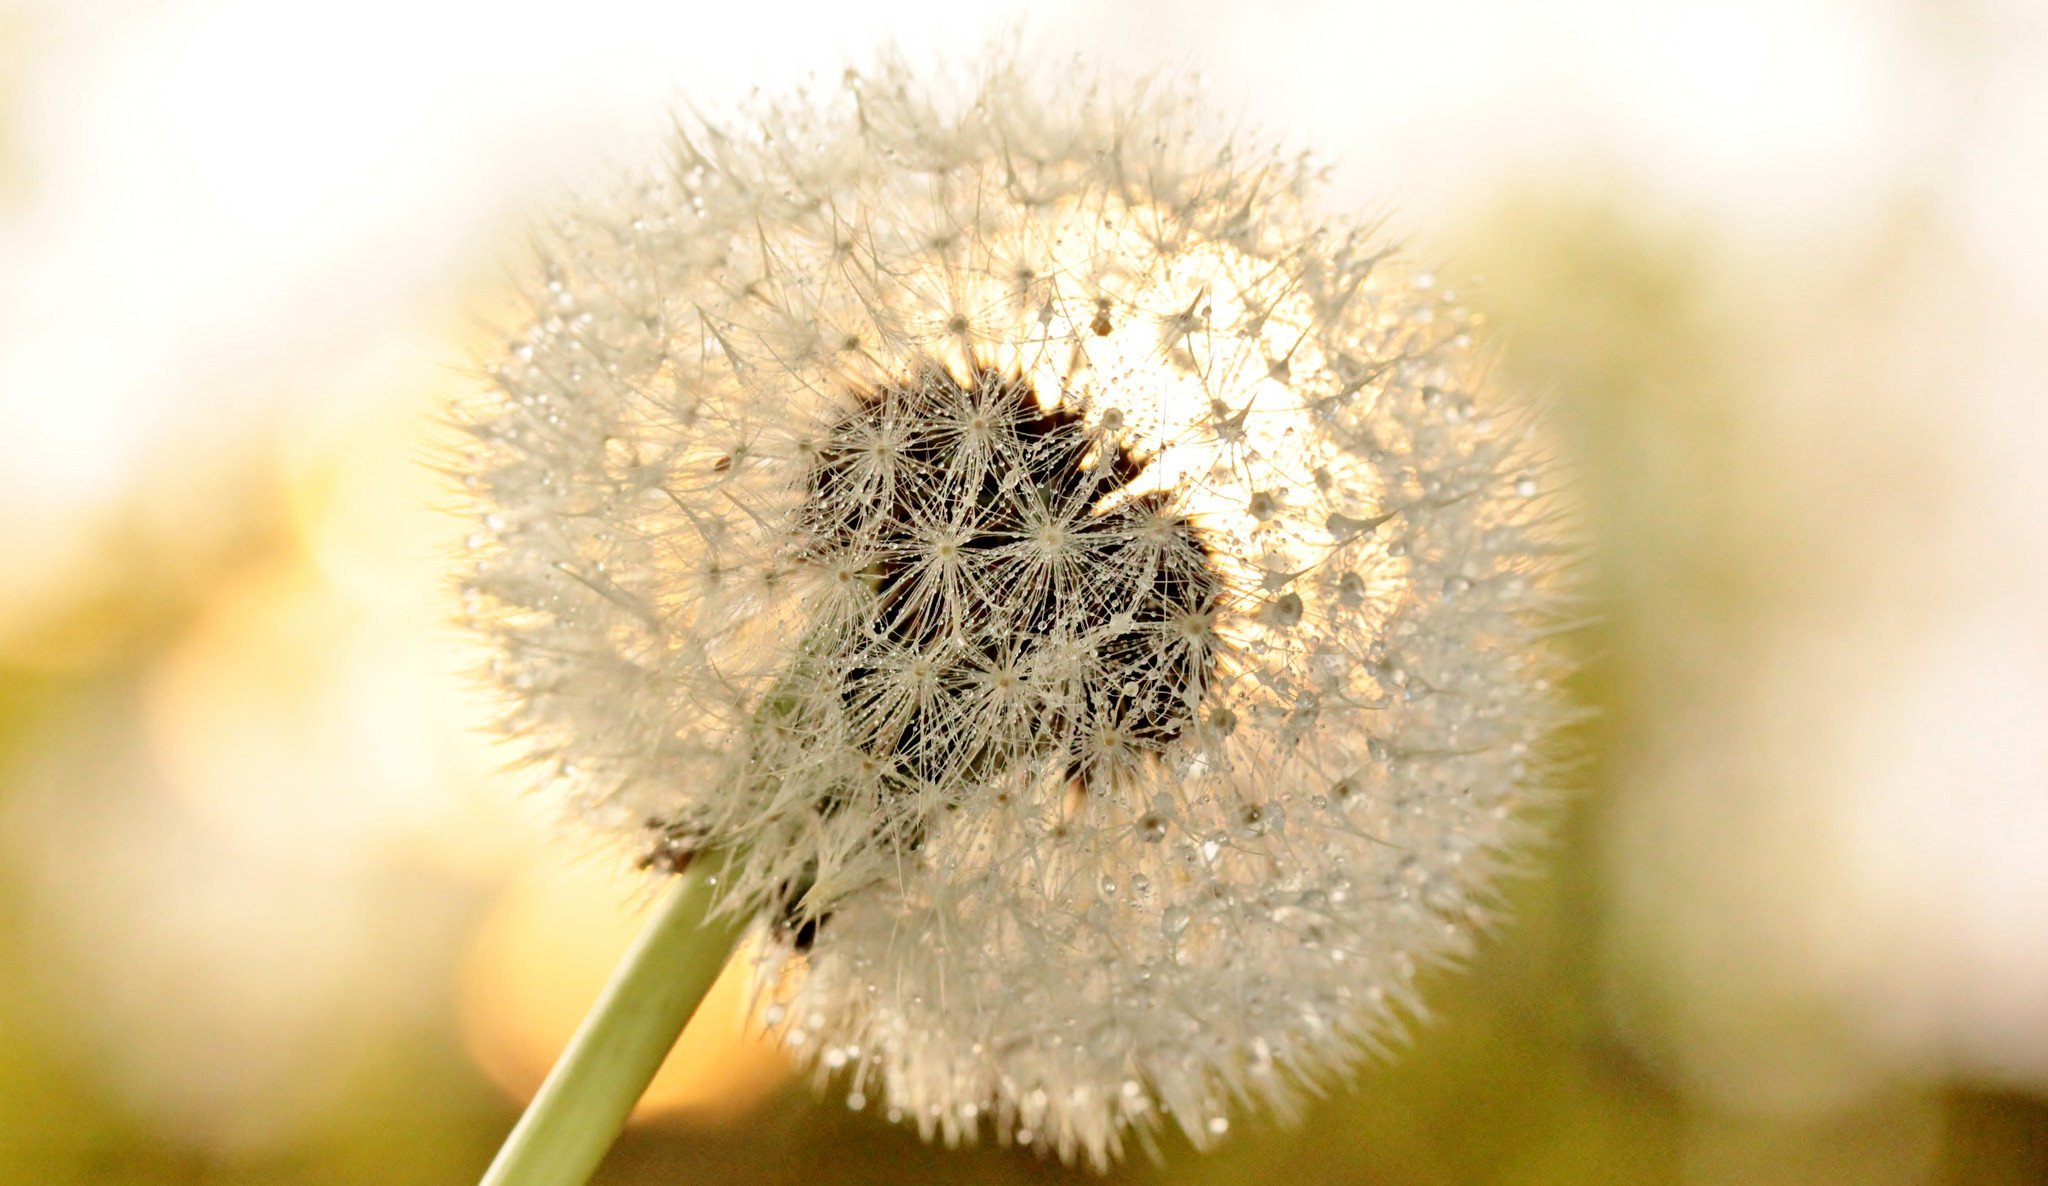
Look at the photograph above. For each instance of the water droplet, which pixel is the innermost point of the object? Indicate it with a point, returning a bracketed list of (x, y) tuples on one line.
[(1345, 527), (1285, 610)]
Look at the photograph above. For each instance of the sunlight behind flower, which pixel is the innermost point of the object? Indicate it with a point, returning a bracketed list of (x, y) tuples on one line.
[(1781, 268)]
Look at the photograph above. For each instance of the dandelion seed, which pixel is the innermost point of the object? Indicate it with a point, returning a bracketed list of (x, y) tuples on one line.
[(1067, 568)]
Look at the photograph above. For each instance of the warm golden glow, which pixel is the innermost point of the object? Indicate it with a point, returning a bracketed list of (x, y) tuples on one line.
[(1780, 264), (538, 961)]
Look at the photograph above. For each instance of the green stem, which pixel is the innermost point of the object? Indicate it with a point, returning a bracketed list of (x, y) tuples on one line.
[(637, 1018)]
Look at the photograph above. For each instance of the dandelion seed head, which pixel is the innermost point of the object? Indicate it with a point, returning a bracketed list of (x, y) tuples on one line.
[(1094, 590)]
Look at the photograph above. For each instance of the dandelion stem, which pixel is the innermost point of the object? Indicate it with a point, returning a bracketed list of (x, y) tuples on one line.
[(659, 983)]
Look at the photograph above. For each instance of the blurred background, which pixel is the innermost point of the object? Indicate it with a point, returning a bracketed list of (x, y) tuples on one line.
[(1778, 267)]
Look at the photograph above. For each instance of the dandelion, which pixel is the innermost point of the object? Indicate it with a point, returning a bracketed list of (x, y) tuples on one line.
[(1087, 600)]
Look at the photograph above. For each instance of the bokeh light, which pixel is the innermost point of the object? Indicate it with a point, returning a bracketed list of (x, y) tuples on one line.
[(1778, 270)]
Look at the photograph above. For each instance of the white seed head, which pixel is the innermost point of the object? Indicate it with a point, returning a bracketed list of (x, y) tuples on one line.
[(1093, 591)]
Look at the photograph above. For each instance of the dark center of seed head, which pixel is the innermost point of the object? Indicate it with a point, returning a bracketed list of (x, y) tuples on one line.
[(1005, 550)]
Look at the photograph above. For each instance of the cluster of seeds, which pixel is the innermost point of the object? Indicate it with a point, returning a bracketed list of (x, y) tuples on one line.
[(1096, 594), (990, 529)]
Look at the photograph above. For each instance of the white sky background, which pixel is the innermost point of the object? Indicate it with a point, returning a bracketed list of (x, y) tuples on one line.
[(223, 194), (219, 214)]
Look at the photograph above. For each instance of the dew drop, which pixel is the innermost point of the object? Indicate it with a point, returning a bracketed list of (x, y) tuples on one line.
[(1344, 527)]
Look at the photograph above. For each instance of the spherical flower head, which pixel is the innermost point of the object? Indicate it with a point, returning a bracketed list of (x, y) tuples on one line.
[(1092, 591)]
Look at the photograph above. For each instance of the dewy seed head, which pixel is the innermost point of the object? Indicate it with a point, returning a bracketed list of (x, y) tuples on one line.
[(1093, 587)]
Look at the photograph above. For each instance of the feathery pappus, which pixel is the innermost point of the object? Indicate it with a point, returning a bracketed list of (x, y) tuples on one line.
[(1095, 592)]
